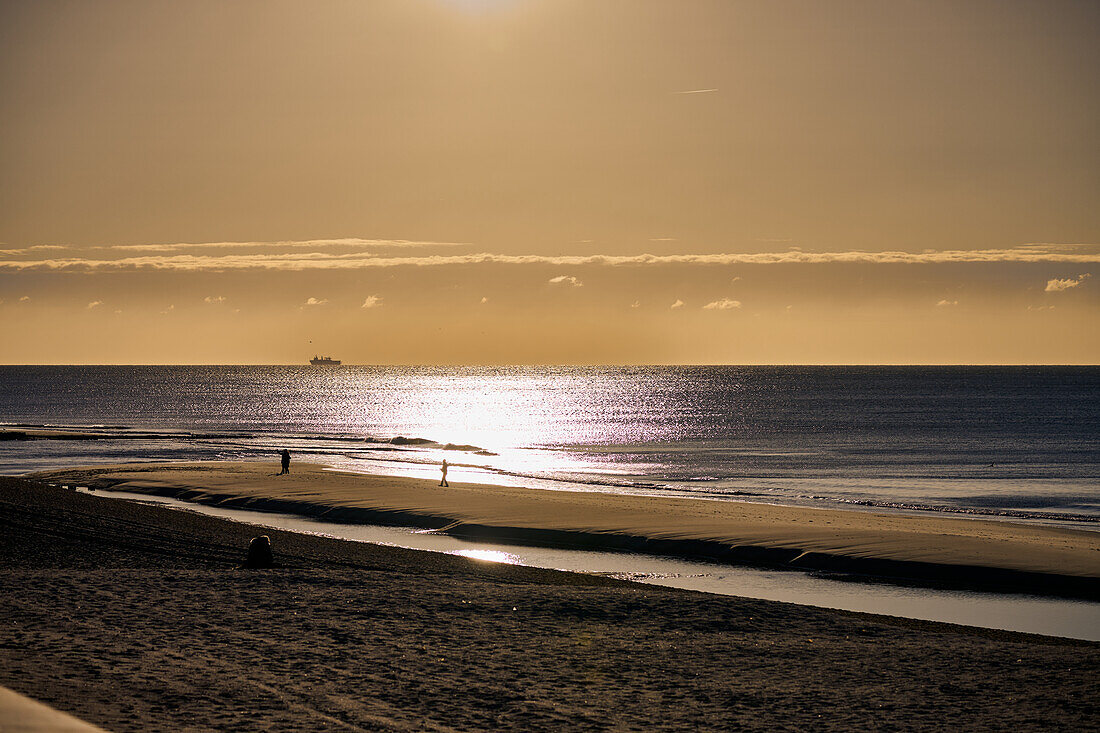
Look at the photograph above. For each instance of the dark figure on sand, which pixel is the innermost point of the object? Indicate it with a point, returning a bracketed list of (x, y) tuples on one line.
[(286, 462), (443, 481), (259, 553)]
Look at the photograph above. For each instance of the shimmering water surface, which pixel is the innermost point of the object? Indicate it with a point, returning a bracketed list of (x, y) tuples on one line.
[(1016, 443)]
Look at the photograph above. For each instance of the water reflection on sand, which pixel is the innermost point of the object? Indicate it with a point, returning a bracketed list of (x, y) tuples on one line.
[(1012, 612)]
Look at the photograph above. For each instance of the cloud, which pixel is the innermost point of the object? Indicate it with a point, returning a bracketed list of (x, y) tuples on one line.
[(315, 244), (567, 279), (1062, 246), (722, 304), (946, 303), (277, 244), (696, 91), (94, 304), (214, 299), (296, 261), (678, 304), (373, 301), (34, 248), (168, 310), (288, 244), (636, 304), (25, 299), (1057, 286), (310, 302), (663, 239), (484, 300)]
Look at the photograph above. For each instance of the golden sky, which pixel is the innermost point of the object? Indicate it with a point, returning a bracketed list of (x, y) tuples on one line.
[(550, 181)]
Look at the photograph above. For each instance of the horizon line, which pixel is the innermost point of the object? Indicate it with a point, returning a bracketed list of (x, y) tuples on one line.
[(566, 364)]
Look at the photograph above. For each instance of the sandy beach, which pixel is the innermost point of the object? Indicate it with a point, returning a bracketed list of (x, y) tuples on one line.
[(136, 618), (757, 342), (936, 550)]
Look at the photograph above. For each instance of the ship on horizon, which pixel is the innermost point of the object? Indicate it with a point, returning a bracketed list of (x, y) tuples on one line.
[(324, 361)]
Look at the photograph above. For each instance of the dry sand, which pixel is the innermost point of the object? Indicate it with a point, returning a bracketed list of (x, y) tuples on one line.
[(20, 714), (975, 553), (139, 618)]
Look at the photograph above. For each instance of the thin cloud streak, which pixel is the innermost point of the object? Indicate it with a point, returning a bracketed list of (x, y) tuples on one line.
[(314, 243), (287, 244), (357, 260), (33, 248)]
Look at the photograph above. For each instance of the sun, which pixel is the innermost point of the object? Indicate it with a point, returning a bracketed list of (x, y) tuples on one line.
[(478, 6)]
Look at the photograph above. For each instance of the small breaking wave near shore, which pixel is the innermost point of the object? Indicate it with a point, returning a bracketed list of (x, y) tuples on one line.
[(416, 456)]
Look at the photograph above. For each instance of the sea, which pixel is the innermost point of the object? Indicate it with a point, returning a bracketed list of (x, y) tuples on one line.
[(1019, 444), (1010, 444)]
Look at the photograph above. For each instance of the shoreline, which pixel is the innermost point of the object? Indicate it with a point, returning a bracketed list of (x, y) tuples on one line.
[(939, 552), (379, 452), (749, 490)]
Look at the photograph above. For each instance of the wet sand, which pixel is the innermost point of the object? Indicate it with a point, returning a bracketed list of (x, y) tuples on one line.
[(943, 551), (136, 618)]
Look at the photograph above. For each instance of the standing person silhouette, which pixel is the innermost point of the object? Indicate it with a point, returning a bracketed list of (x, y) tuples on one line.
[(443, 481), (286, 462)]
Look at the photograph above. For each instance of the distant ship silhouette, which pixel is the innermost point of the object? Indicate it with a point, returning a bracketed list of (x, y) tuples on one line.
[(324, 361)]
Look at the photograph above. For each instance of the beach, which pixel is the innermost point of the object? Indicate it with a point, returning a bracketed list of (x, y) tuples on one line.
[(931, 549), (136, 617), (756, 342)]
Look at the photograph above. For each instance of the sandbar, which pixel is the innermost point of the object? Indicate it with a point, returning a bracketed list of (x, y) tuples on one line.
[(974, 553)]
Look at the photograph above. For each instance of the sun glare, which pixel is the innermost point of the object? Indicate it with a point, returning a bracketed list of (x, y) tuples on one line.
[(489, 556), (477, 6)]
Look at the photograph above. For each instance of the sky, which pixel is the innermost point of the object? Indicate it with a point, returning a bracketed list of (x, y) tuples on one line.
[(550, 181)]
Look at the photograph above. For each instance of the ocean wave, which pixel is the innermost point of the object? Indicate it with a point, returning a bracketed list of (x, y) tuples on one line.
[(647, 479), (119, 432), (964, 510), (402, 440)]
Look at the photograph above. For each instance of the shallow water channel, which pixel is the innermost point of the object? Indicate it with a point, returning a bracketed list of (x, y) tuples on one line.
[(1013, 612)]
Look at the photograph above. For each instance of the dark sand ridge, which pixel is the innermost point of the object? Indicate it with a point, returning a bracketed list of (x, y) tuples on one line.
[(938, 550), (139, 618)]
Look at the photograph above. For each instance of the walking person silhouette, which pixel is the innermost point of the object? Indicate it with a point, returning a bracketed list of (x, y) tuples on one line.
[(443, 481), (286, 462)]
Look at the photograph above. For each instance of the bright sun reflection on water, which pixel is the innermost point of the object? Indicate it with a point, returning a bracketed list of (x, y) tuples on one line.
[(489, 556), (492, 418)]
